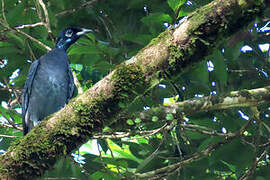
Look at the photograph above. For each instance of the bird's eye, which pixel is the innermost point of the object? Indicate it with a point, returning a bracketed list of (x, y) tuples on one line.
[(69, 33)]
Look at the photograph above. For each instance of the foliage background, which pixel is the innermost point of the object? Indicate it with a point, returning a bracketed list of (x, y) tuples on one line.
[(122, 28)]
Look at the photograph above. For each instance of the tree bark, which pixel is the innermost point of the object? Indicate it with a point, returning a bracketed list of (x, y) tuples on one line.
[(172, 51)]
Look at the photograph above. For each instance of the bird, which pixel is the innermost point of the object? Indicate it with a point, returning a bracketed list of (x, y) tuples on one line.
[(49, 85)]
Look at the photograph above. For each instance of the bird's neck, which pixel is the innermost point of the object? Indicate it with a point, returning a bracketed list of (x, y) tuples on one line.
[(63, 44)]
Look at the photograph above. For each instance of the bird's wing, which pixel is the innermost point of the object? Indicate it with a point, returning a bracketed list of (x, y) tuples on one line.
[(27, 92), (71, 84)]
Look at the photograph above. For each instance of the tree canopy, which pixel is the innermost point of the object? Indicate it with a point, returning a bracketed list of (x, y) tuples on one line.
[(170, 89)]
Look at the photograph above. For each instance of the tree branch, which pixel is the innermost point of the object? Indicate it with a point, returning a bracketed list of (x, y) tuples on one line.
[(86, 4)]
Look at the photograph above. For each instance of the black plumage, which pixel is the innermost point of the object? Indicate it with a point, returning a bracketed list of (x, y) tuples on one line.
[(49, 85)]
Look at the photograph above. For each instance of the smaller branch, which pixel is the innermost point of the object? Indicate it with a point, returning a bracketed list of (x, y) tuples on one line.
[(194, 157), (39, 11), (253, 166), (117, 166), (175, 166), (29, 25), (10, 122), (106, 28), (83, 170), (118, 135), (47, 20), (22, 26), (242, 98), (7, 136), (265, 144), (3, 11), (16, 30), (10, 126), (33, 39), (77, 83), (211, 133), (6, 25), (105, 166), (248, 143), (31, 51), (86, 4), (175, 87), (241, 71)]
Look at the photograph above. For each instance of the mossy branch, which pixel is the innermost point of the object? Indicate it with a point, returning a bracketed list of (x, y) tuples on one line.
[(242, 98)]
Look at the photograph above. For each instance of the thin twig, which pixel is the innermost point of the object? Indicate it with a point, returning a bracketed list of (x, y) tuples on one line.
[(29, 25), (86, 4), (77, 83), (10, 122), (3, 11), (253, 166), (211, 133), (47, 20), (118, 135), (83, 170), (24, 34), (10, 126), (175, 167), (7, 136), (6, 25), (33, 39)]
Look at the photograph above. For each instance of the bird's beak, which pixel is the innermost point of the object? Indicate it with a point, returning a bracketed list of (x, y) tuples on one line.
[(84, 31)]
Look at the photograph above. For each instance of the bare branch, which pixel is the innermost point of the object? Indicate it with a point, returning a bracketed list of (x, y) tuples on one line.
[(118, 135), (175, 167), (12, 124), (32, 38), (7, 136), (86, 4), (29, 25), (47, 20), (251, 170)]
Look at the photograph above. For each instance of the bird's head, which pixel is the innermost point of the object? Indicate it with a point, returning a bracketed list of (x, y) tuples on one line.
[(69, 36)]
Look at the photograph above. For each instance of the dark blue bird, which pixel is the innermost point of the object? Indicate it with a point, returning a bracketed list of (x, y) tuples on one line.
[(49, 85)]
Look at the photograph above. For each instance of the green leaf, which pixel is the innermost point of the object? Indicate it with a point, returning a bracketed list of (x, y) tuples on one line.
[(91, 36), (154, 118), (137, 120), (169, 117), (176, 4), (8, 50), (156, 18), (233, 52), (130, 122), (121, 105), (100, 175), (200, 72), (83, 50), (150, 163), (5, 44), (16, 14), (182, 13), (121, 152), (104, 144), (86, 148), (141, 39), (65, 168), (231, 167), (220, 66), (77, 67)]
